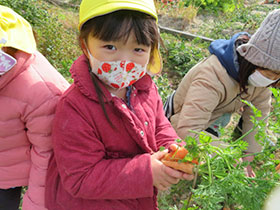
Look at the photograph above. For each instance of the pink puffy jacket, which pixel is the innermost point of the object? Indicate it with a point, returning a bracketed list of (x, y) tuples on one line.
[(28, 96), (100, 167)]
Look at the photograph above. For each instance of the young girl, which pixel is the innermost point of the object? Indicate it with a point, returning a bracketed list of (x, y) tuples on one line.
[(239, 68), (110, 124), (29, 91)]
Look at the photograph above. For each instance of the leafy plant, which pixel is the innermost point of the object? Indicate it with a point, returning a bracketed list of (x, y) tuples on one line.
[(222, 5), (33, 14), (180, 55), (162, 83), (209, 5), (58, 42), (220, 178)]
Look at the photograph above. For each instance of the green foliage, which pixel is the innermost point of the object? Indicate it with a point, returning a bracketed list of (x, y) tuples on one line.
[(164, 86), (216, 5), (181, 55), (209, 5), (29, 9), (58, 41), (274, 124), (220, 178), (76, 2), (242, 18)]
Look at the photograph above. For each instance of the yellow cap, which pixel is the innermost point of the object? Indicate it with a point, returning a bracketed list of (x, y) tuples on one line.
[(15, 31), (94, 8)]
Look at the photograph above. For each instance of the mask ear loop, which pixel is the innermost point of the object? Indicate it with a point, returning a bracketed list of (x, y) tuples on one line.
[(89, 54)]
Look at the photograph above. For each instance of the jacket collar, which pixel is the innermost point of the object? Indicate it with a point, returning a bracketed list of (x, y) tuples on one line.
[(23, 61), (80, 71)]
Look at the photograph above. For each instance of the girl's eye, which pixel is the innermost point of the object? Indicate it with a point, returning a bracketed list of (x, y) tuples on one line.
[(139, 50), (110, 47)]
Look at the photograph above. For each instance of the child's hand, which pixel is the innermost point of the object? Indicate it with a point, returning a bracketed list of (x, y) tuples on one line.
[(249, 170), (163, 176), (175, 155)]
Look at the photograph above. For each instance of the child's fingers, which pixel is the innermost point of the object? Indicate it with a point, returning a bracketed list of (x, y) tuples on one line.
[(173, 173), (168, 181), (161, 187), (160, 154), (188, 177), (249, 171)]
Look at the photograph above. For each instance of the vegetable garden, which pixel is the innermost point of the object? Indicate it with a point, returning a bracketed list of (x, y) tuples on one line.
[(220, 181)]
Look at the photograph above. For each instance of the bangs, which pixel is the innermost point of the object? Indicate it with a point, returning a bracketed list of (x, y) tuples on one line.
[(118, 26)]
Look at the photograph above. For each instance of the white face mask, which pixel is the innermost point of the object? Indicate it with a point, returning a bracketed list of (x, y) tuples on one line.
[(117, 74), (7, 62), (258, 80)]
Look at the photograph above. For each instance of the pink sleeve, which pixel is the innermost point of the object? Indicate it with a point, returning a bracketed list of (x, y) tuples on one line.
[(39, 124)]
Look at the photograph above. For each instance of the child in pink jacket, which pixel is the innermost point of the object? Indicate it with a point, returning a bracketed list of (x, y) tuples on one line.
[(29, 90)]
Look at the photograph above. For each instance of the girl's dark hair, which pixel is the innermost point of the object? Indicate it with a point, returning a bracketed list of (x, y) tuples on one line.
[(245, 70), (117, 26)]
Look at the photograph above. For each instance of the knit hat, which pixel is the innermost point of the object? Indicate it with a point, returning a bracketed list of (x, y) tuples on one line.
[(263, 49), (15, 31), (94, 8)]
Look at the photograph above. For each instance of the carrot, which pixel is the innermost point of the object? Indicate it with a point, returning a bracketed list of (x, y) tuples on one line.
[(184, 167), (278, 168), (172, 158), (195, 161), (177, 153)]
